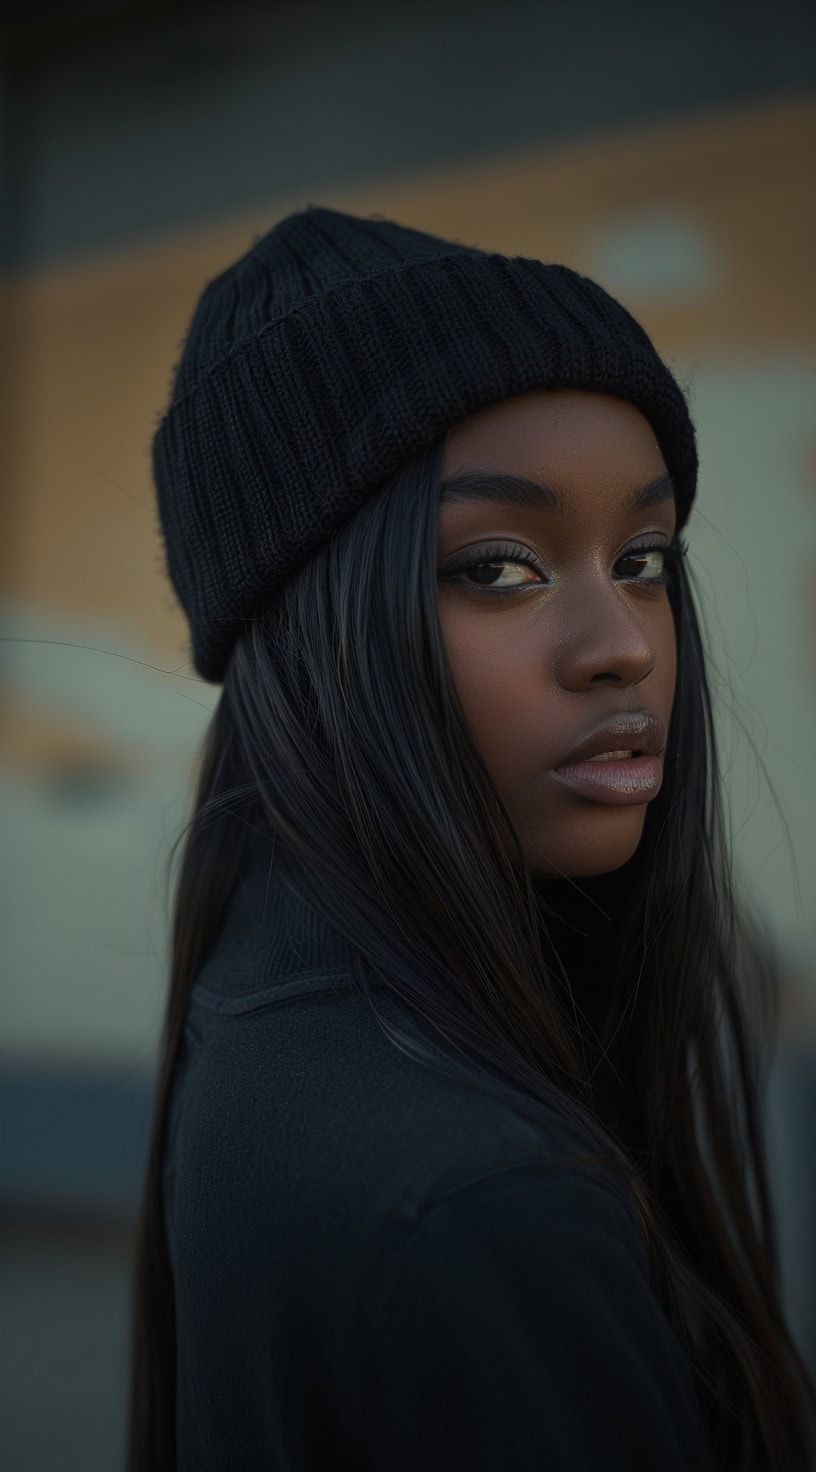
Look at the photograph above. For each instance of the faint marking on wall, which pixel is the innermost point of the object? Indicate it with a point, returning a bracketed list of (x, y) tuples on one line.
[(37, 742)]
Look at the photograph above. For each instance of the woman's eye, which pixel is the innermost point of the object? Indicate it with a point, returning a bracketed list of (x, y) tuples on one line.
[(501, 568), (505, 569), (650, 561)]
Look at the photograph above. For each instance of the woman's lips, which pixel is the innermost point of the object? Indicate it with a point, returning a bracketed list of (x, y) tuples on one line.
[(624, 780)]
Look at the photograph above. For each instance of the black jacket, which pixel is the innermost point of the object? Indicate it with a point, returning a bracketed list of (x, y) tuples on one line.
[(382, 1270)]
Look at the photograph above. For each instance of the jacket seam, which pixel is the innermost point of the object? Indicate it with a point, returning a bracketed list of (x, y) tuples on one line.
[(279, 991), (538, 1158)]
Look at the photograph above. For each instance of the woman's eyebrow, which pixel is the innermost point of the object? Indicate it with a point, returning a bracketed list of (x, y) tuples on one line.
[(518, 490)]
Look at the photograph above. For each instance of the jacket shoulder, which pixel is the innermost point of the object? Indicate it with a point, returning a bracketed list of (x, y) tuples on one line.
[(518, 1328)]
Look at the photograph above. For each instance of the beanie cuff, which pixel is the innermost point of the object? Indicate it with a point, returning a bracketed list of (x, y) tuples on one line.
[(291, 431)]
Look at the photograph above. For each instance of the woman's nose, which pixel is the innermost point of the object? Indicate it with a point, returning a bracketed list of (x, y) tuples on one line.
[(605, 637)]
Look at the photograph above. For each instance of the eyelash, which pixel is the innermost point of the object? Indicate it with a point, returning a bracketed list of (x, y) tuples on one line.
[(510, 552)]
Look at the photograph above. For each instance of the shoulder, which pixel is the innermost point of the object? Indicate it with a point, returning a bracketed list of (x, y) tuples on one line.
[(305, 1080), (540, 1210), (519, 1308)]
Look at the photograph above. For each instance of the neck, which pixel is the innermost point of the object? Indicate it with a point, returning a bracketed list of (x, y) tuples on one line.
[(579, 925), (582, 918)]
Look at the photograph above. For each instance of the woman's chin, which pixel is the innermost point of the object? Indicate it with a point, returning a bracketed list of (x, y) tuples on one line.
[(592, 846)]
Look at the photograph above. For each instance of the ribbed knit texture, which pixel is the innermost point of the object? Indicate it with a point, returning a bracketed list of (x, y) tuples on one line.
[(335, 349)]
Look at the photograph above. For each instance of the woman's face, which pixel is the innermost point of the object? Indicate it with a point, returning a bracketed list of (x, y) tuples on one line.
[(583, 632)]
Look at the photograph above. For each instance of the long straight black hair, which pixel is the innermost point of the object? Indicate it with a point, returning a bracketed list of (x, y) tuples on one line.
[(338, 731)]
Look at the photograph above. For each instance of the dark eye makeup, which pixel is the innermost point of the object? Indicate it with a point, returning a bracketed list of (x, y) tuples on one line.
[(498, 554)]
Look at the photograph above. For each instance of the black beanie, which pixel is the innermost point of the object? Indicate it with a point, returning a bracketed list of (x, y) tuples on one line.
[(333, 351)]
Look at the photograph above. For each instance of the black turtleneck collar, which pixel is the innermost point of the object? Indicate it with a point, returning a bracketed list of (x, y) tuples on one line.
[(271, 933), (273, 930)]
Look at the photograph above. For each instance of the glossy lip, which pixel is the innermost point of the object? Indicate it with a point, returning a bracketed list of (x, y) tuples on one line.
[(631, 780), (640, 731)]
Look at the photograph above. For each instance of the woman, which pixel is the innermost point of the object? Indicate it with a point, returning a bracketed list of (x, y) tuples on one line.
[(457, 1154)]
